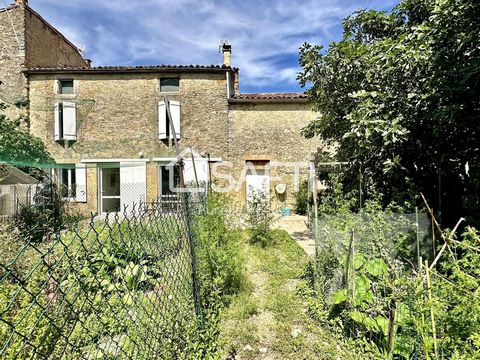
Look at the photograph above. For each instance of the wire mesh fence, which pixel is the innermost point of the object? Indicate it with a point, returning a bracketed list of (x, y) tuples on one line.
[(376, 272), (115, 285)]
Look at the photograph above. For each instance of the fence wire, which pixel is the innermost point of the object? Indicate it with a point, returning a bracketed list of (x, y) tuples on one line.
[(120, 285), (376, 273), (358, 259)]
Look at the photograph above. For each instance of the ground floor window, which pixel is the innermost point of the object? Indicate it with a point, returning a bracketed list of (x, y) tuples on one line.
[(67, 183), (169, 179), (123, 187)]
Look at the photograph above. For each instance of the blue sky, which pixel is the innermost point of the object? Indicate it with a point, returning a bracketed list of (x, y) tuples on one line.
[(265, 34)]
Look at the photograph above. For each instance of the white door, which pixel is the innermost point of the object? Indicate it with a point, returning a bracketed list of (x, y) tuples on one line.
[(133, 185), (257, 184), (109, 180)]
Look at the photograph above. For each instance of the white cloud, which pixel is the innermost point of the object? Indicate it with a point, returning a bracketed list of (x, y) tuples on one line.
[(265, 34)]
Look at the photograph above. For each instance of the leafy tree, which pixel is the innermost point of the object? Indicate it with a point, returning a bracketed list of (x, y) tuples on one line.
[(400, 96), (18, 146)]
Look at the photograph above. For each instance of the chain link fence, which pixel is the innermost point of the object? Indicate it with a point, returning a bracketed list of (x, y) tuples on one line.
[(385, 278), (117, 285)]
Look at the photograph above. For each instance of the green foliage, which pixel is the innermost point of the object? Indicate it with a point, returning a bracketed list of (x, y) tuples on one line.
[(364, 277), (302, 199), (18, 146), (259, 219), (394, 85), (220, 263)]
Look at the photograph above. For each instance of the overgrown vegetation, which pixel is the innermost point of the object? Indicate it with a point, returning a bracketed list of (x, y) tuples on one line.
[(370, 283), (220, 266), (303, 199), (399, 96), (269, 319), (19, 147), (259, 219), (120, 287)]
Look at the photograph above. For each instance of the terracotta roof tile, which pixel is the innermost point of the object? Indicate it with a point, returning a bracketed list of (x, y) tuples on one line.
[(271, 96), (147, 68)]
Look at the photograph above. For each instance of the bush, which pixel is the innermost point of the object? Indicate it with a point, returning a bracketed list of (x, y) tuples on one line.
[(259, 221), (302, 199), (219, 256)]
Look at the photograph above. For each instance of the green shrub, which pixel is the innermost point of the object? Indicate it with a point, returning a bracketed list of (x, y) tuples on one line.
[(218, 249), (259, 221), (302, 199)]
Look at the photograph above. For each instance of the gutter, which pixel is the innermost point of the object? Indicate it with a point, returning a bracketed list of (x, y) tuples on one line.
[(268, 100)]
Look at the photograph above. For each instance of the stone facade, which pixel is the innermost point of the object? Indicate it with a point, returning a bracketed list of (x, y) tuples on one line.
[(28, 41), (12, 58), (269, 130), (117, 113)]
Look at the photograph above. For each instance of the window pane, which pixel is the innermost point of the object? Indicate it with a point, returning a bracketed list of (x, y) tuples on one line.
[(111, 182), (169, 85), (165, 176), (66, 87), (64, 183), (73, 183)]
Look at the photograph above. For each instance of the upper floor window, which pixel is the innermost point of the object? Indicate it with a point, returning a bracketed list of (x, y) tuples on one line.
[(170, 84), (65, 86)]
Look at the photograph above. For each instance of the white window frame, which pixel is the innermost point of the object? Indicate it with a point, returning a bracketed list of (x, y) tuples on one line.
[(80, 177), (70, 187)]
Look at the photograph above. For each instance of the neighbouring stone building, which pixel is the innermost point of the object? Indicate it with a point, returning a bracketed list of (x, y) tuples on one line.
[(109, 127)]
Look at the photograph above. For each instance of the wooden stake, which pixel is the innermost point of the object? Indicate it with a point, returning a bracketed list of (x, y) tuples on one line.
[(391, 325), (429, 289)]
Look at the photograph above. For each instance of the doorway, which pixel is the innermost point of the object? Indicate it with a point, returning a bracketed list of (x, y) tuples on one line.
[(257, 181)]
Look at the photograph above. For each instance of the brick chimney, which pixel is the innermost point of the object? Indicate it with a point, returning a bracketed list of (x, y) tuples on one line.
[(227, 53), (21, 2)]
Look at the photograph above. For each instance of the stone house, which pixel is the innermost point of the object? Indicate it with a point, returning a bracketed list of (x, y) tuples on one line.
[(110, 127)]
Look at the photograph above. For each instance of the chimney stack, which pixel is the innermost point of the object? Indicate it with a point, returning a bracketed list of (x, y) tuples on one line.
[(88, 63), (21, 2), (227, 53)]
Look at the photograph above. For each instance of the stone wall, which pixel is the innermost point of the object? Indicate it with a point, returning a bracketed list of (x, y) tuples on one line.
[(45, 46), (271, 131), (117, 115), (12, 58), (27, 40)]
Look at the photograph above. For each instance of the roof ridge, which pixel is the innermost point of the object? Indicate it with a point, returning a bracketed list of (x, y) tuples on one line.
[(131, 68)]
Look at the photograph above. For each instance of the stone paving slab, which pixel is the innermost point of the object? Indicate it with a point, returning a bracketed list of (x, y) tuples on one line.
[(296, 227)]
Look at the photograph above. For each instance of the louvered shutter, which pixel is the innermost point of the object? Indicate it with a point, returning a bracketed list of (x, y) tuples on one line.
[(175, 112), (133, 186), (162, 121), (69, 120), (81, 183), (57, 121)]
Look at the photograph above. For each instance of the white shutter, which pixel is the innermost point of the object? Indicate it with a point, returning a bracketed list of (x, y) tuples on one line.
[(201, 169), (133, 185), (175, 112), (162, 121), (57, 120), (81, 183), (69, 120)]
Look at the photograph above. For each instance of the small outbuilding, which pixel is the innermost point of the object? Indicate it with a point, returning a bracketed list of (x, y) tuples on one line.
[(16, 189)]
